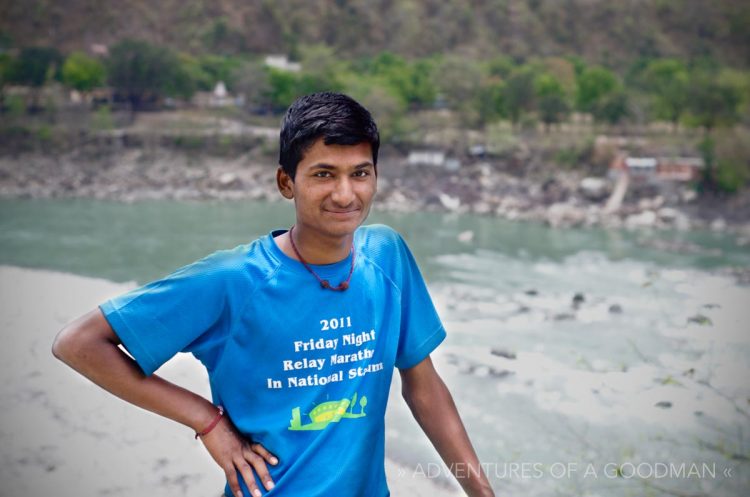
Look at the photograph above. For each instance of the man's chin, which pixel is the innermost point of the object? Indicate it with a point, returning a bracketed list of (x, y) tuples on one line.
[(344, 227)]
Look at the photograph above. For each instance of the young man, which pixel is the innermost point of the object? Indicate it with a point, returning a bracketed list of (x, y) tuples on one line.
[(299, 331)]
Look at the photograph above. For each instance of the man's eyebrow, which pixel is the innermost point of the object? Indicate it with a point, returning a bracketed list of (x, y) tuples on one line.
[(323, 165)]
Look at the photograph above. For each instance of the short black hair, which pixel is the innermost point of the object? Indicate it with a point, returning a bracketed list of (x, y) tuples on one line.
[(335, 117)]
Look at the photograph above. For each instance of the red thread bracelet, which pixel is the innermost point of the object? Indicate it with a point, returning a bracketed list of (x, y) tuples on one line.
[(212, 425)]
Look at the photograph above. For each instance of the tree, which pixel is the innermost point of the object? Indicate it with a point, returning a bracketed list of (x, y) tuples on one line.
[(143, 73), (612, 107), (712, 101), (491, 101), (600, 93), (219, 68), (732, 159), (592, 85), (550, 98), (35, 66), (518, 94), (6, 67), (458, 80), (412, 81), (82, 72), (321, 70), (421, 90), (251, 79), (195, 72), (388, 109), (667, 81)]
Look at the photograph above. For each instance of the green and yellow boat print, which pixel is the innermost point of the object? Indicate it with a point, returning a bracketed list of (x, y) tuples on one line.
[(323, 414)]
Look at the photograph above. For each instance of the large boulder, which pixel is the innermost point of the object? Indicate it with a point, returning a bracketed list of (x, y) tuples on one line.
[(594, 188), (645, 219)]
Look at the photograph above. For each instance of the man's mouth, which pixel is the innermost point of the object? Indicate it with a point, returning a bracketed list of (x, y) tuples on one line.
[(342, 211)]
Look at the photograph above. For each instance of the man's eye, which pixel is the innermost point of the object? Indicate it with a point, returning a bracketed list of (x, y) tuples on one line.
[(362, 173), (322, 174)]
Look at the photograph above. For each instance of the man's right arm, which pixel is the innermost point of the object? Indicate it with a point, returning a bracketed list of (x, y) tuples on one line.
[(90, 346)]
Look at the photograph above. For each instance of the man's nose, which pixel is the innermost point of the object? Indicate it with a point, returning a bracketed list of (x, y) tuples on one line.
[(343, 193)]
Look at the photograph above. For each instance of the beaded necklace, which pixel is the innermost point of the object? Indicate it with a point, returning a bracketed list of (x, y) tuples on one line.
[(323, 283)]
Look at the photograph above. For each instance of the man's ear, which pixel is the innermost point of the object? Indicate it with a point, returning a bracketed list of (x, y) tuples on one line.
[(285, 183)]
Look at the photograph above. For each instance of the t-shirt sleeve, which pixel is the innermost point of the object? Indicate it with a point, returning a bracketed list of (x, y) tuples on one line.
[(421, 328), (167, 316)]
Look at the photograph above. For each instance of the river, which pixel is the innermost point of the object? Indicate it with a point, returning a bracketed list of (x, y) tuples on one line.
[(583, 361)]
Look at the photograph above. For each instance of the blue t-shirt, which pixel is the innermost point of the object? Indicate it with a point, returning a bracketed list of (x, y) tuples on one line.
[(303, 370)]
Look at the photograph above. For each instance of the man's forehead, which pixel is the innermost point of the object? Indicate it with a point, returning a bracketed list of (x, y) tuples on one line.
[(335, 155)]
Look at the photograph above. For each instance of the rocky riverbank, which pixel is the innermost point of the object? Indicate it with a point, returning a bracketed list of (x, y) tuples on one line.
[(558, 198)]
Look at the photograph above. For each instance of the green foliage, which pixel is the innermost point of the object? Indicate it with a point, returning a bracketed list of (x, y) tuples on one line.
[(731, 176), (565, 73), (192, 69), (44, 133), (387, 107), (579, 65), (612, 108), (143, 73), (458, 81), (35, 66), (712, 101), (500, 66), (220, 37), (707, 148), (732, 149), (575, 155), (412, 82), (491, 101), (219, 68), (283, 88), (6, 41), (204, 72), (252, 79), (518, 94), (6, 67), (15, 106), (550, 98), (668, 81), (600, 93), (594, 84), (321, 70), (102, 119), (82, 72)]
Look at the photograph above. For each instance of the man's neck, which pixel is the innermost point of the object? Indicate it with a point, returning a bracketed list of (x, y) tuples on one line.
[(315, 249)]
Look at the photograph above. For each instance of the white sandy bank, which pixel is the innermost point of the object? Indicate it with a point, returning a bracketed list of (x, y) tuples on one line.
[(60, 435)]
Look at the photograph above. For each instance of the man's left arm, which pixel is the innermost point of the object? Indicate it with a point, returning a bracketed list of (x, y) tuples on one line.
[(432, 406)]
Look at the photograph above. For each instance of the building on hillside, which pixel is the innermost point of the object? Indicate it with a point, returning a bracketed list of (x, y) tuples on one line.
[(679, 168), (219, 97), (99, 49), (433, 158), (426, 158), (653, 169), (282, 63)]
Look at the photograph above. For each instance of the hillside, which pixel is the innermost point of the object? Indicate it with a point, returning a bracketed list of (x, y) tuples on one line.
[(600, 31)]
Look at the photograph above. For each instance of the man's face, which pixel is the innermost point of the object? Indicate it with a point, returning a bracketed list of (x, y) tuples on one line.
[(332, 189)]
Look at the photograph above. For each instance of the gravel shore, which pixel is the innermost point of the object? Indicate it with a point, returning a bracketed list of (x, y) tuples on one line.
[(563, 199)]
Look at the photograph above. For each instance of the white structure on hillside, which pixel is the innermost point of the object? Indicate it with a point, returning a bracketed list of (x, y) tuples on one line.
[(426, 158), (282, 63)]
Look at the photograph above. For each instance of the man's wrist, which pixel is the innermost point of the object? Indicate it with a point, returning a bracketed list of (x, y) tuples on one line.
[(203, 416), (217, 418)]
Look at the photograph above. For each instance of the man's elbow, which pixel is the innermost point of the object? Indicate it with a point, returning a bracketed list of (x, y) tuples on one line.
[(64, 345)]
